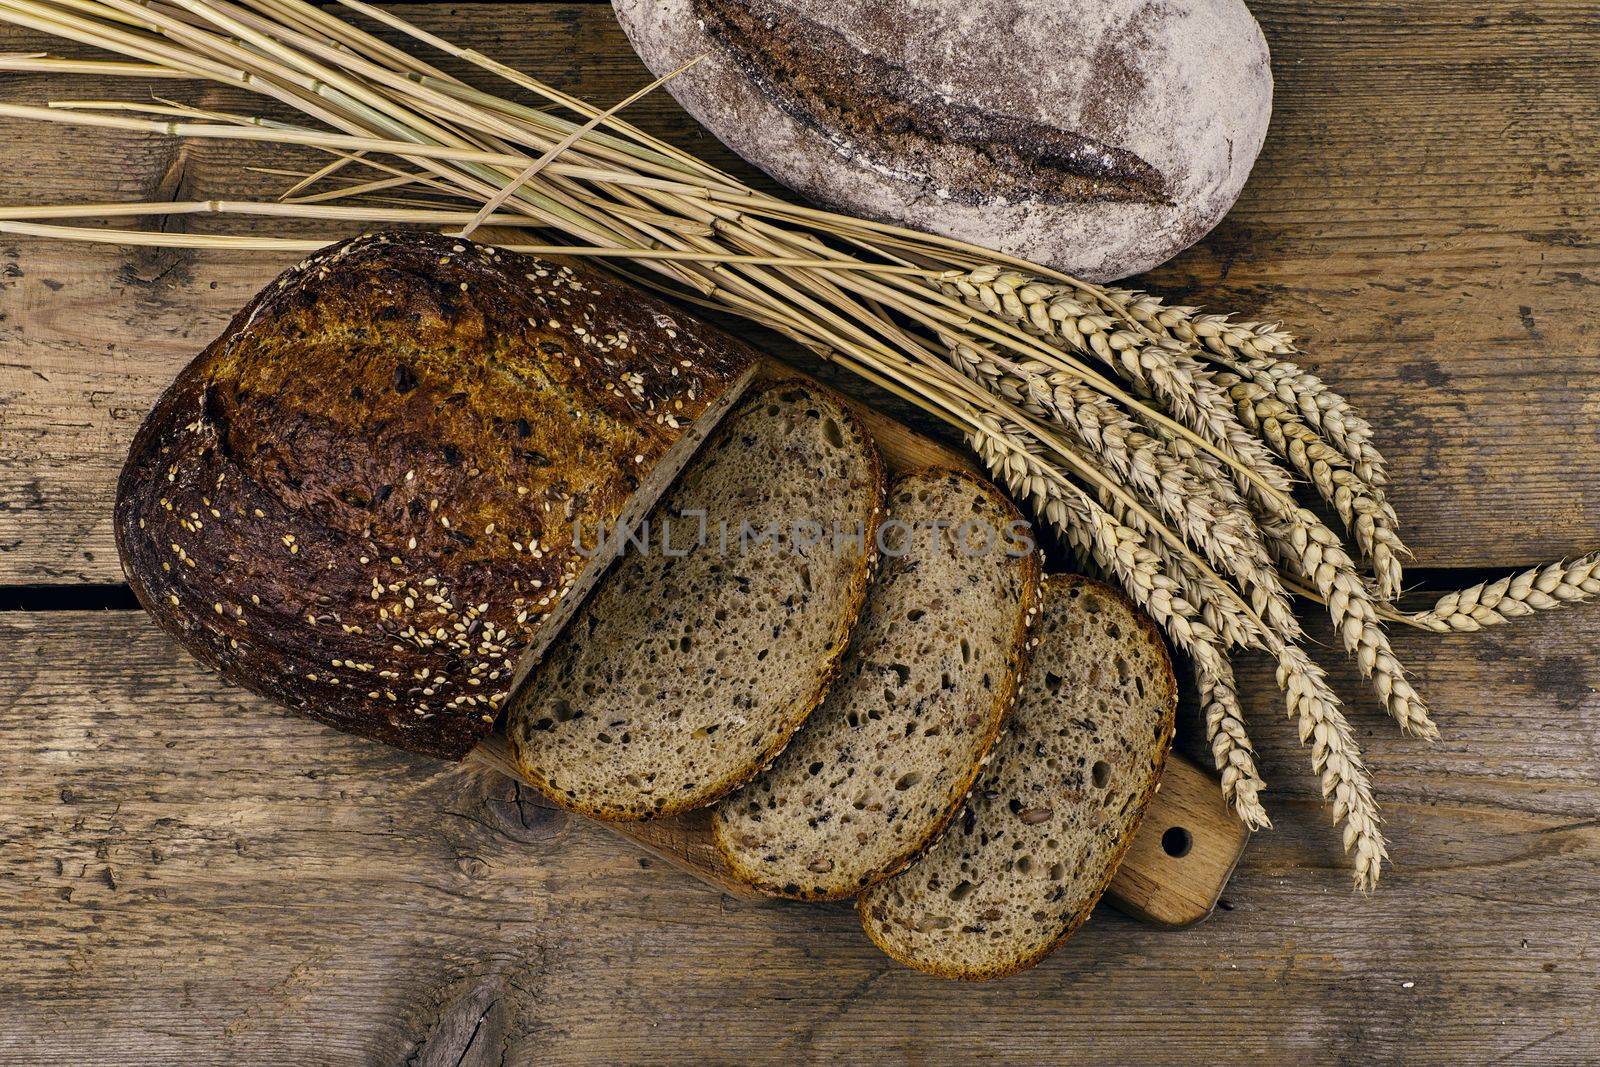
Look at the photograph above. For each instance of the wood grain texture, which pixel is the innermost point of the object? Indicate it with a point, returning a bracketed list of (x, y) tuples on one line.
[(191, 875), (1423, 212), (194, 876)]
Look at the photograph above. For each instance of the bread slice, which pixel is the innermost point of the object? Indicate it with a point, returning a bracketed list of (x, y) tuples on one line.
[(1050, 821), (883, 765), (695, 661)]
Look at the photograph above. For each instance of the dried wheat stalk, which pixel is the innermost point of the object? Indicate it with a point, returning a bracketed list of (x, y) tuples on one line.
[(1160, 370), (1160, 442), (1307, 546), (1255, 351), (1230, 745), (1225, 531), (1122, 549), (1513, 597)]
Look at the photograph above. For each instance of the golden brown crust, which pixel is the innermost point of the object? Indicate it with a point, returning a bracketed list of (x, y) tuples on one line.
[(360, 499), (876, 478), (1005, 700), (1163, 747)]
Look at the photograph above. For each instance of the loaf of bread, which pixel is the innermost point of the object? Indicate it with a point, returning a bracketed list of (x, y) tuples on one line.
[(722, 624), (1098, 136), (1049, 822), (360, 500), (883, 765)]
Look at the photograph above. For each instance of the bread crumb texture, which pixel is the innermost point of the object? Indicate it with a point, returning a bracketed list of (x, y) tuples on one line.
[(884, 764), (689, 670), (1049, 822)]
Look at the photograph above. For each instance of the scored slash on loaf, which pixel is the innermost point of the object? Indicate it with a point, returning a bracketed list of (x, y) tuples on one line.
[(1100, 137)]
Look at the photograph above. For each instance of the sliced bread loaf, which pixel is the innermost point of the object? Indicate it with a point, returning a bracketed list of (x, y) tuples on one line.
[(883, 765), (359, 500), (698, 657), (1049, 823)]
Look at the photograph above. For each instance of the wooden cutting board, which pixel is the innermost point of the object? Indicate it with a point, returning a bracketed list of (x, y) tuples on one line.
[(1177, 866)]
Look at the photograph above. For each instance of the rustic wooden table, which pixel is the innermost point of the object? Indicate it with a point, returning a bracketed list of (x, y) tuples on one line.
[(191, 876)]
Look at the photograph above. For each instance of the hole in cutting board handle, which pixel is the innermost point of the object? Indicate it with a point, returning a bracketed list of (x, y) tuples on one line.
[(1176, 842)]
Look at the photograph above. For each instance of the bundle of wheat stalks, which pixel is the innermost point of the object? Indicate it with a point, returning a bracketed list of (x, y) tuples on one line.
[(1166, 446)]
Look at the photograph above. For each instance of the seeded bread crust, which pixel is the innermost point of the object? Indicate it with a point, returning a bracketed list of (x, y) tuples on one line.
[(359, 500), (749, 848), (874, 906), (532, 711)]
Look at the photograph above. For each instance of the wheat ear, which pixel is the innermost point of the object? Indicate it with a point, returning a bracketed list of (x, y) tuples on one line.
[(1360, 506), (1336, 759), (1256, 351), (1231, 749), (1227, 616), (1230, 746), (1323, 408), (1056, 312), (1223, 529), (1512, 597), (1062, 315), (1122, 550), (1115, 547), (1314, 551)]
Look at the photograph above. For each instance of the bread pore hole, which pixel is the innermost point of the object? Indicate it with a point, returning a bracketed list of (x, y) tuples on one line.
[(832, 433), (1100, 773)]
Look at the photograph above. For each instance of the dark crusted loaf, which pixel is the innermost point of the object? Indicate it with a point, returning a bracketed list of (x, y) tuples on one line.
[(1054, 813), (698, 657), (359, 501), (882, 766)]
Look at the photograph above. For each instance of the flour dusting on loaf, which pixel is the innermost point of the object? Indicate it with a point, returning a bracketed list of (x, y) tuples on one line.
[(1098, 136)]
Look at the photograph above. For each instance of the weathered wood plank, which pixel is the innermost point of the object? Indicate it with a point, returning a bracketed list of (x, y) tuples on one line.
[(1423, 211), (1423, 214), (193, 876)]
